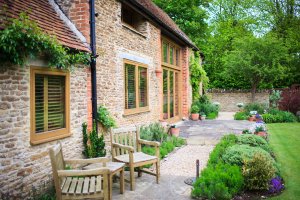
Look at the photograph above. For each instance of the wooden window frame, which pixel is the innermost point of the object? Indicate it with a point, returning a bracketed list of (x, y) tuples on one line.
[(54, 134), (175, 47), (138, 109)]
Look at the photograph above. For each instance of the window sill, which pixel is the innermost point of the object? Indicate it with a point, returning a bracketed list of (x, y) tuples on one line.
[(48, 137), (133, 30), (136, 111)]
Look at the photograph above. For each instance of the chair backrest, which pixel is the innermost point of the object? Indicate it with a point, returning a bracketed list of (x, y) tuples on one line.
[(126, 137), (58, 163)]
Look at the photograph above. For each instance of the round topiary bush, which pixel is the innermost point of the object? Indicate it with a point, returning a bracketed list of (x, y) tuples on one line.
[(254, 141)]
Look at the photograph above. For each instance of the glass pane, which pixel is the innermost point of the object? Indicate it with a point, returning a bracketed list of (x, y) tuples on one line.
[(165, 52), (143, 87), (176, 106), (56, 102), (171, 94), (171, 55), (130, 95), (165, 94), (177, 57), (39, 103)]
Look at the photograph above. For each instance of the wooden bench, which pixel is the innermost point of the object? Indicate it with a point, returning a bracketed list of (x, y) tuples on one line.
[(126, 148), (78, 184)]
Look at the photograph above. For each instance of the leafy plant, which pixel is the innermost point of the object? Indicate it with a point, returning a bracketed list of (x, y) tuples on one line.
[(222, 181), (246, 131), (258, 171), (260, 108), (253, 141), (259, 129), (94, 146), (153, 132), (274, 98), (194, 109), (238, 154), (212, 115), (105, 118), (278, 116), (241, 116), (23, 39)]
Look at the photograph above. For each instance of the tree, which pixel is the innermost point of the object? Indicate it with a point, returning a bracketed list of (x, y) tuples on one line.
[(189, 15), (257, 61)]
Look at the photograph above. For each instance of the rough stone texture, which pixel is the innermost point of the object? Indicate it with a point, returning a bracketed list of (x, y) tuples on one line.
[(115, 42), (228, 100), (23, 166)]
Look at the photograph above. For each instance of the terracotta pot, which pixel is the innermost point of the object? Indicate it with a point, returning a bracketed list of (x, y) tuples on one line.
[(175, 131), (195, 116), (251, 119), (261, 133), (203, 117)]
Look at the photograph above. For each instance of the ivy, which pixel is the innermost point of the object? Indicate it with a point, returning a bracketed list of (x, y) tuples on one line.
[(23, 39), (197, 74), (105, 118)]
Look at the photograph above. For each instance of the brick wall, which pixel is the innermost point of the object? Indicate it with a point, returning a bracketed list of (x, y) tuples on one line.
[(229, 99), (23, 166)]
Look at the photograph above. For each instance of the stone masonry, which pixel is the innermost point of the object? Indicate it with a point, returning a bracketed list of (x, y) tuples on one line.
[(24, 167)]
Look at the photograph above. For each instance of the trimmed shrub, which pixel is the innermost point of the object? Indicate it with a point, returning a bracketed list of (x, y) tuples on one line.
[(216, 155), (278, 116), (212, 115), (153, 132), (222, 181), (177, 141), (260, 108), (238, 154), (253, 141), (258, 172), (241, 116)]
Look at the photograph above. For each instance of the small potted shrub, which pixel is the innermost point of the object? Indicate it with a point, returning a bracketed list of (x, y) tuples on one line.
[(261, 131), (174, 131), (203, 116), (195, 112), (252, 116)]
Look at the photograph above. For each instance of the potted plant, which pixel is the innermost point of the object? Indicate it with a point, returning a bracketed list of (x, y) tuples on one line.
[(195, 112), (261, 131), (203, 116), (174, 131)]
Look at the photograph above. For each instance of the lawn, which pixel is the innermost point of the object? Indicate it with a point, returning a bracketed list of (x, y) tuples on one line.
[(285, 140)]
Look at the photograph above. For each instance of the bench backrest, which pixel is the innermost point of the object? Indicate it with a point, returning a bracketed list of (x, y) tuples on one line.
[(128, 137)]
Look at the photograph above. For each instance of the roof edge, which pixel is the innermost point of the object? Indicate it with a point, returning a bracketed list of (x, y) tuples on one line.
[(68, 23), (161, 23)]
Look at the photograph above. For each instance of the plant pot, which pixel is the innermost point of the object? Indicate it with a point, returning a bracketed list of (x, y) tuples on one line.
[(203, 117), (251, 119), (195, 116), (261, 133), (175, 132)]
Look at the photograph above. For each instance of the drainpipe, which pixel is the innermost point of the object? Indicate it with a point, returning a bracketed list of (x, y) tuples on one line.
[(93, 62)]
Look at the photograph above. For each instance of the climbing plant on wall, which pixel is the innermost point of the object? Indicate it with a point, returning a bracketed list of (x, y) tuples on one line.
[(197, 74), (23, 39)]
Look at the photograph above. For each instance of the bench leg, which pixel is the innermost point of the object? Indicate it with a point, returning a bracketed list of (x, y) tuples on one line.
[(122, 181), (157, 171), (132, 181), (139, 172)]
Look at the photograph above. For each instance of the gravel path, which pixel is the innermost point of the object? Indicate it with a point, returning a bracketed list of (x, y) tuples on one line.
[(177, 167)]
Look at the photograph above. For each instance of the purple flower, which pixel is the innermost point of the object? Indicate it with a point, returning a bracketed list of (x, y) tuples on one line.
[(276, 185)]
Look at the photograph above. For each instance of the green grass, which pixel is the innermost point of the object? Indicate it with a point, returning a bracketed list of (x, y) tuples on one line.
[(285, 140)]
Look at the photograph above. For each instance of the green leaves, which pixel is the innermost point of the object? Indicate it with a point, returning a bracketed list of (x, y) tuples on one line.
[(23, 39), (105, 118)]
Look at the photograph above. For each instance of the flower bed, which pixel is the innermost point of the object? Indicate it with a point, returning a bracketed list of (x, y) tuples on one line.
[(239, 166)]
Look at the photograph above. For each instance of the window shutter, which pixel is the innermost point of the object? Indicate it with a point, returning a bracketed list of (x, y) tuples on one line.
[(130, 97), (143, 87), (39, 103)]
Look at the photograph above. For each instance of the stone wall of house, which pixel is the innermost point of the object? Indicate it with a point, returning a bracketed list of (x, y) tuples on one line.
[(23, 167), (228, 99), (116, 42)]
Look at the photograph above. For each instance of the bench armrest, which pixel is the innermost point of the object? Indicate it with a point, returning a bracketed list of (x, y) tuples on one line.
[(91, 172), (87, 161), (128, 148), (150, 143)]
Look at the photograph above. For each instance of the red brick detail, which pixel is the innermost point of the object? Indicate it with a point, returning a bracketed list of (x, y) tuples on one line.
[(79, 15), (185, 82), (89, 100), (159, 75)]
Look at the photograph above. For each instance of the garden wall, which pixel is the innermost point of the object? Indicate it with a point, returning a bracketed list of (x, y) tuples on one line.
[(229, 98), (25, 167)]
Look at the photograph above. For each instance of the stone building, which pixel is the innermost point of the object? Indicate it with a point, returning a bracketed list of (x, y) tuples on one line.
[(142, 77)]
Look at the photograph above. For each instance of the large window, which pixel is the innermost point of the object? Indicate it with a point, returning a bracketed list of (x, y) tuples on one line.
[(136, 87), (49, 105), (170, 54)]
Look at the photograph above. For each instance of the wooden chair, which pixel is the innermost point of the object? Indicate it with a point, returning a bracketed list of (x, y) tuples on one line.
[(78, 184), (126, 148)]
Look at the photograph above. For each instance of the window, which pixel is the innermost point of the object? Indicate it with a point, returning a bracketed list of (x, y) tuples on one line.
[(170, 54), (49, 105), (133, 19), (136, 87)]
